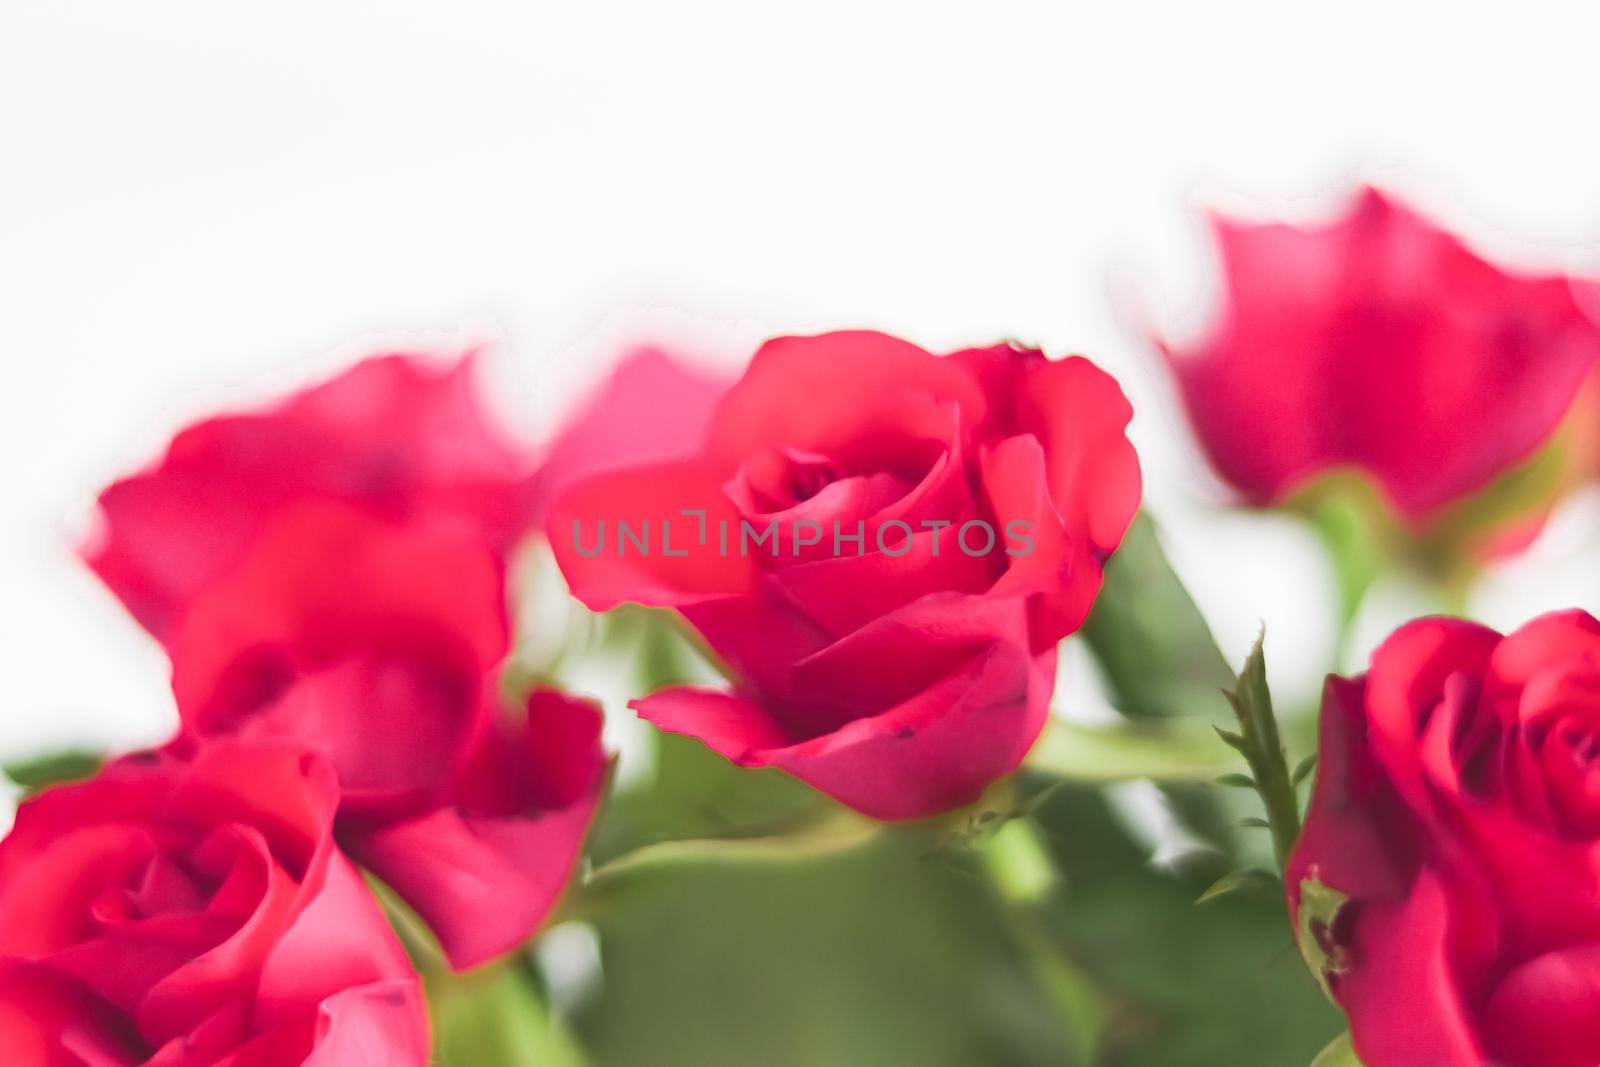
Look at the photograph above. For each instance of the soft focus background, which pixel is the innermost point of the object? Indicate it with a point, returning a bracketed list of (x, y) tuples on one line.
[(202, 205)]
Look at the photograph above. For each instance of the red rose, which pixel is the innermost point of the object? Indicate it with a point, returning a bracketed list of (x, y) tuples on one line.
[(378, 645), (1457, 807), (196, 913), (885, 548), (1382, 343), (396, 435)]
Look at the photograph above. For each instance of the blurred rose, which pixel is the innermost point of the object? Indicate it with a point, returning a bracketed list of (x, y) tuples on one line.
[(1382, 344), (378, 645), (398, 435), (652, 408), (197, 913), (885, 548), (1457, 806)]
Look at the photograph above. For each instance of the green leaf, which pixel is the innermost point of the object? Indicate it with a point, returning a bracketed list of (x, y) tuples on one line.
[(54, 769), (1154, 648), (1319, 909), (1303, 769), (1169, 750), (1339, 1053), (1234, 781), (1231, 739), (1253, 822), (1244, 878)]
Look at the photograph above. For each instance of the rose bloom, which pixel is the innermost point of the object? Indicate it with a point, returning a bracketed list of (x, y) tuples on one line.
[(331, 572), (1382, 344), (378, 645), (400, 436), (1457, 807), (187, 914), (907, 665)]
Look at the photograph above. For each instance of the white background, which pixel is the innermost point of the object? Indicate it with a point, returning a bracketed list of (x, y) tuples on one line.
[(201, 205)]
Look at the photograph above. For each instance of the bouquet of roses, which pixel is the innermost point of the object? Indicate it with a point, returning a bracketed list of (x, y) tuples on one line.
[(870, 827)]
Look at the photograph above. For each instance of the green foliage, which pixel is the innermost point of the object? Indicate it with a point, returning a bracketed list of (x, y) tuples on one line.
[(878, 956), (696, 794), (1153, 646), (833, 833), (496, 1018), (1029, 932), (1180, 985), (743, 918), (692, 793), (1163, 668), (54, 769)]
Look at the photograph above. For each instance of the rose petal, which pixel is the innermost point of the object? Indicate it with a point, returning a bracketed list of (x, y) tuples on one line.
[(1543, 1012), (935, 751), (1402, 956)]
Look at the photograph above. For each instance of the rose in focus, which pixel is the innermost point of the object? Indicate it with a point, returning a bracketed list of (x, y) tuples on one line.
[(905, 673), (1447, 883)]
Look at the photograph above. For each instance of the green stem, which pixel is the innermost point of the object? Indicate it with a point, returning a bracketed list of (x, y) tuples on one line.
[(1283, 813), (1171, 750), (836, 832), (1261, 745)]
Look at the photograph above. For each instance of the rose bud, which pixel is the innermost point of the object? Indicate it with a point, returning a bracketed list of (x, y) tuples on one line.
[(378, 646), (883, 547), (1382, 347), (398, 436), (195, 913), (1446, 885)]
